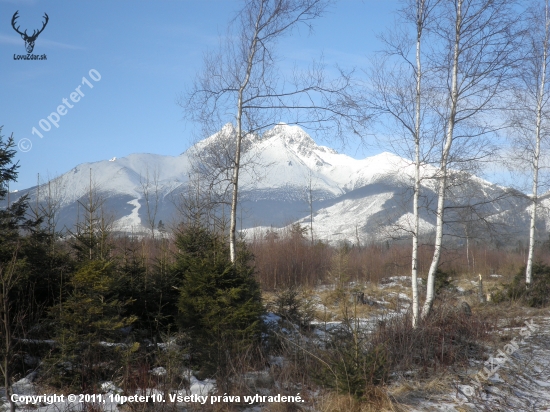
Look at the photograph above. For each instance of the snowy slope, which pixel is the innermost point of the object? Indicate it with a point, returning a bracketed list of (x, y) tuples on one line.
[(368, 198)]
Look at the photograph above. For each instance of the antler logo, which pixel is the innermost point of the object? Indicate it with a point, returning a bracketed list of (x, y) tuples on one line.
[(29, 40)]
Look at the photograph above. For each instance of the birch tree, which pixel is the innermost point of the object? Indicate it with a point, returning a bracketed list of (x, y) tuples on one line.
[(530, 117), (399, 93), (422, 12), (241, 82), (477, 41)]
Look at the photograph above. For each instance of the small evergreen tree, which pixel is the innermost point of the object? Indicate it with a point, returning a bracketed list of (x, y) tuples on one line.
[(220, 302), (537, 295), (14, 226), (151, 289), (90, 320), (161, 228), (92, 237)]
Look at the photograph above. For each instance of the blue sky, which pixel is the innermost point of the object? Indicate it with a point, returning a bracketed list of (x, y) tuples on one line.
[(147, 53)]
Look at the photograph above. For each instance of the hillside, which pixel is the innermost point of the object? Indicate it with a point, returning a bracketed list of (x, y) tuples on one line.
[(353, 199)]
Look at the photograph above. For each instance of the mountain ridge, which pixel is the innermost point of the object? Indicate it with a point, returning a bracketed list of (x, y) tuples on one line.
[(353, 199)]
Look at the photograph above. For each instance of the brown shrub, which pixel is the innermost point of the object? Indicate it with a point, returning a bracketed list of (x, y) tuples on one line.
[(447, 337)]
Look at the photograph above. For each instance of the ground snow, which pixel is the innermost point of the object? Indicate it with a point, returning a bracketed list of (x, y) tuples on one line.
[(522, 384)]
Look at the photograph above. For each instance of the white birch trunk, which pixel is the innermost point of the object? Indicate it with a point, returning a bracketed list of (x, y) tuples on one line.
[(416, 194), (538, 137), (239, 138), (235, 184), (441, 192)]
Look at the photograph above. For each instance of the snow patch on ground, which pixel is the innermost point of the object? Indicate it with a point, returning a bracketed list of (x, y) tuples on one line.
[(132, 222), (521, 384)]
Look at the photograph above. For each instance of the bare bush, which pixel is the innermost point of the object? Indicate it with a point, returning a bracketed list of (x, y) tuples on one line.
[(448, 337)]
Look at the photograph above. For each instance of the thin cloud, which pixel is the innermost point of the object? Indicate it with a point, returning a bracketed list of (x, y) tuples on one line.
[(15, 40), (21, 2), (9, 39)]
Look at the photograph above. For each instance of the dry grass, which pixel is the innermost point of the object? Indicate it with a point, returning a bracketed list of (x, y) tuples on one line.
[(408, 390), (282, 407), (336, 302), (377, 401)]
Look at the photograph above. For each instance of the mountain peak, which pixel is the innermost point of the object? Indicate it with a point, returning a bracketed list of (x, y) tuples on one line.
[(296, 139)]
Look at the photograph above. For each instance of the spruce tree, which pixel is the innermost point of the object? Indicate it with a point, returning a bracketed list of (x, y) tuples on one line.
[(93, 311), (90, 320), (150, 285), (14, 222), (220, 302)]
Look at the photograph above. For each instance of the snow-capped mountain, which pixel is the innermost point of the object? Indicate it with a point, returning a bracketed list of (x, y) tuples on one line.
[(352, 199)]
